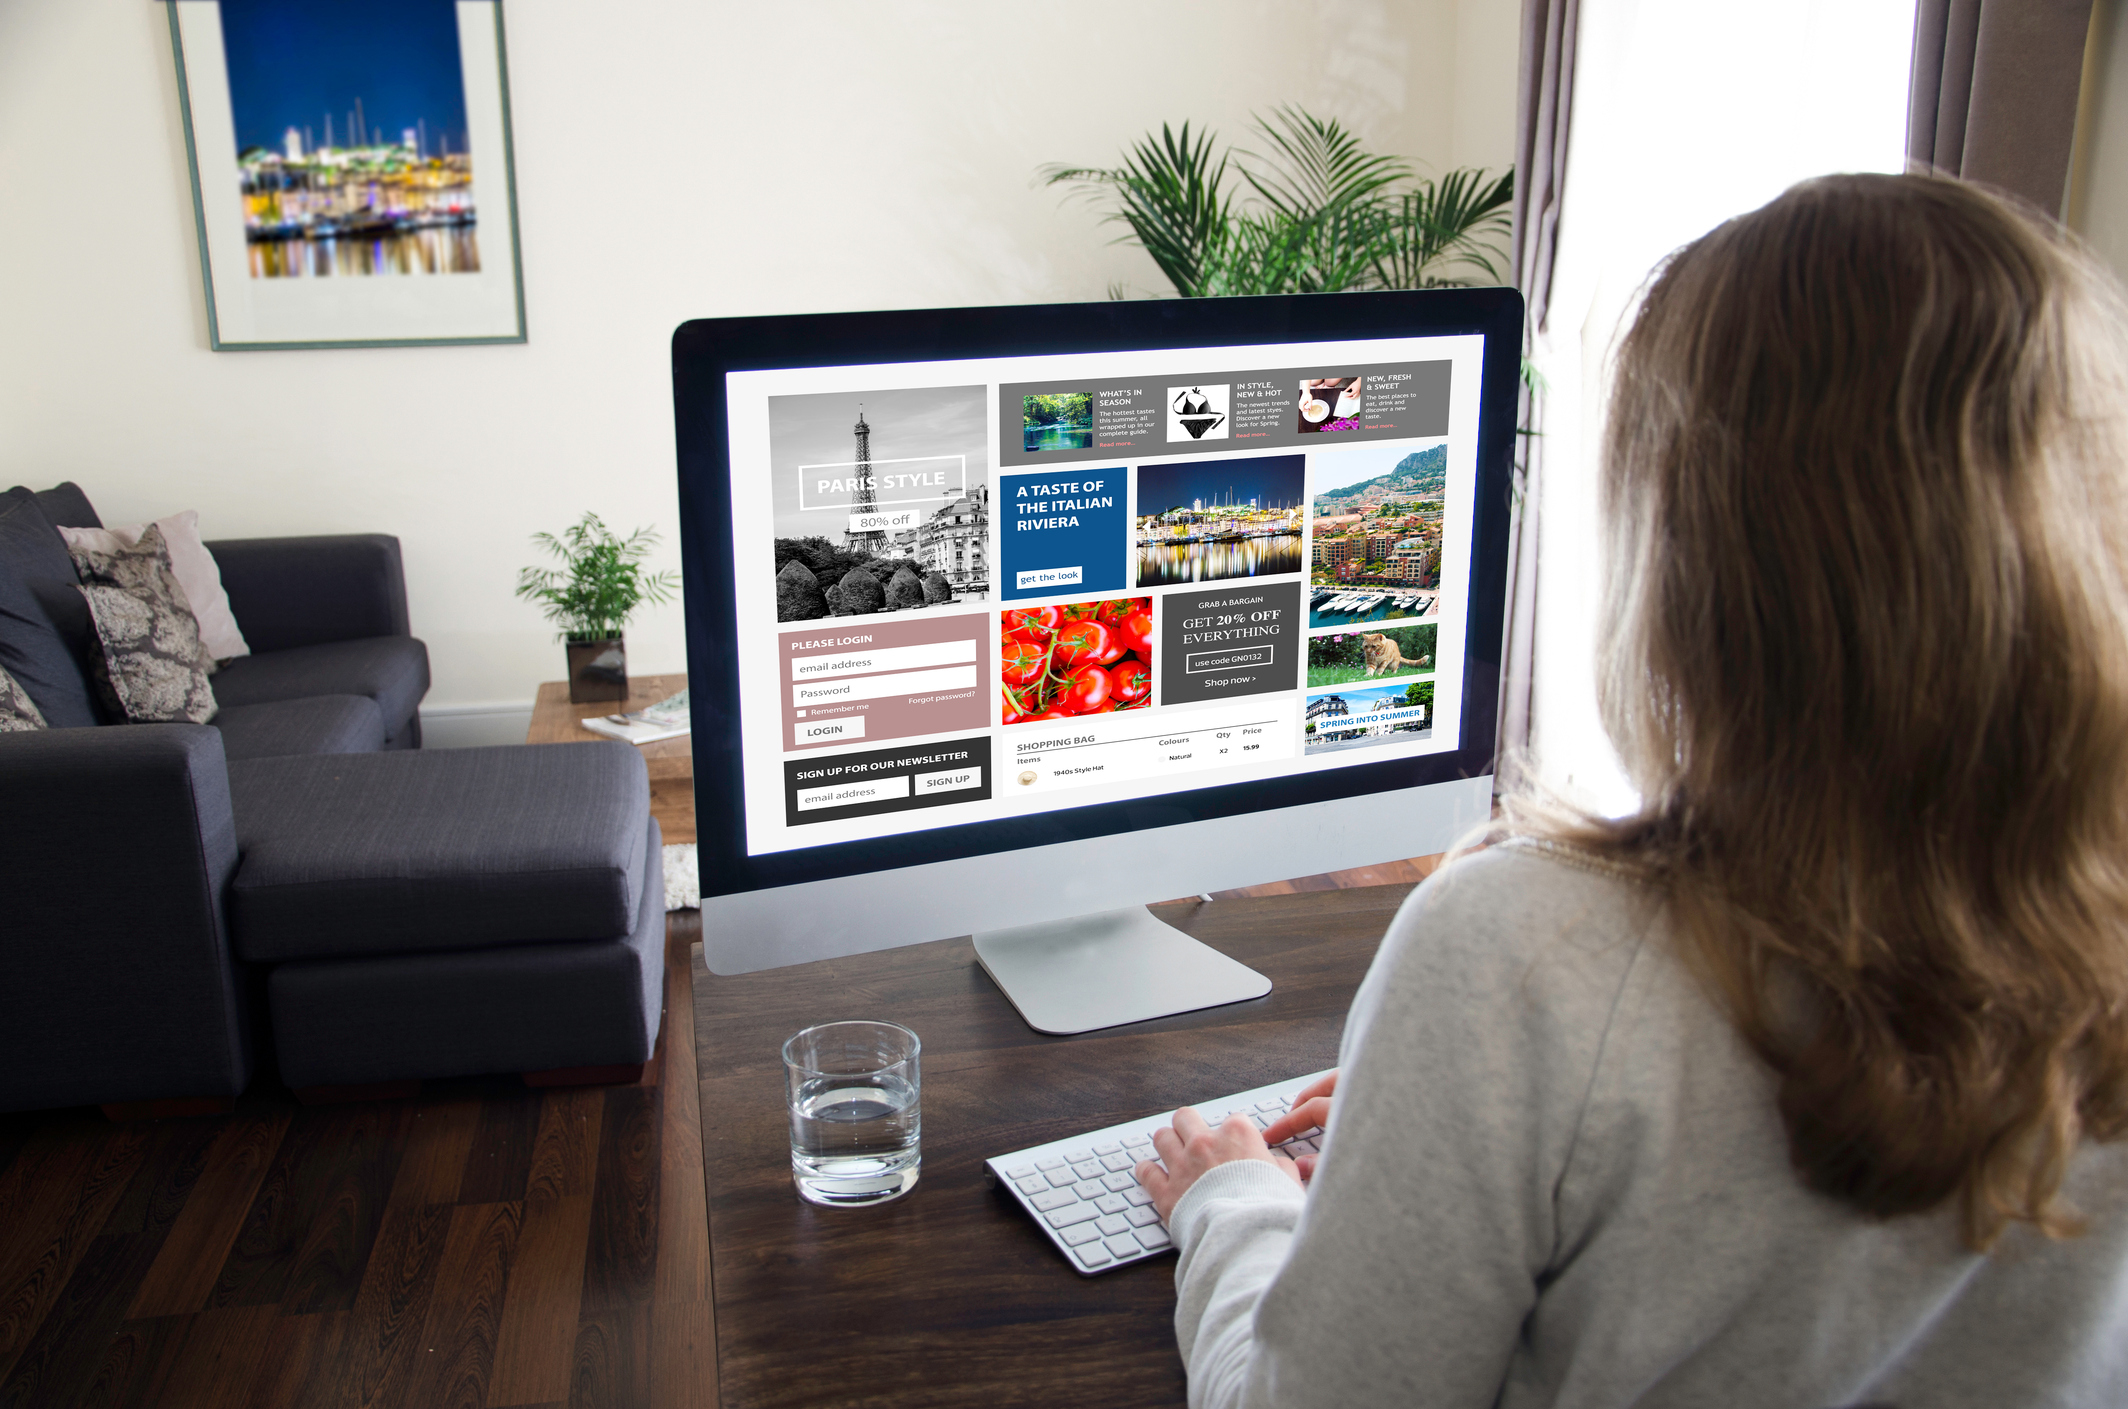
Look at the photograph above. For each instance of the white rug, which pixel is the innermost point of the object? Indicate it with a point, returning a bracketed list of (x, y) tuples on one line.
[(683, 877)]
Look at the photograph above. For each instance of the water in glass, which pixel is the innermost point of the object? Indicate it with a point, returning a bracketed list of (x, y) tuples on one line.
[(855, 1140)]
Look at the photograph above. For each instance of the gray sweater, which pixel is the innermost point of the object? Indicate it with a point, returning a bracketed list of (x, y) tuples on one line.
[(1555, 1176)]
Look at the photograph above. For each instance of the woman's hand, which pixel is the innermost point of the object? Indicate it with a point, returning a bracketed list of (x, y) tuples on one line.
[(1191, 1148), (1311, 1108)]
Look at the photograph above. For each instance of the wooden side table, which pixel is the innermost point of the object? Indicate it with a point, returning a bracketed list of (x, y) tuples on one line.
[(671, 761)]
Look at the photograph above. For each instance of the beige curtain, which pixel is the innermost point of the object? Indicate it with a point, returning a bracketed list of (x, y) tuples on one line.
[(1543, 106), (1994, 92)]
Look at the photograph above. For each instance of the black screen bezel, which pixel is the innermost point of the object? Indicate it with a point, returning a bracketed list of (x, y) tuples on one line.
[(704, 350)]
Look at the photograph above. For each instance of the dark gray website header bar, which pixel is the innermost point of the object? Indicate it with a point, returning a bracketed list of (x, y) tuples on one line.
[(1058, 421)]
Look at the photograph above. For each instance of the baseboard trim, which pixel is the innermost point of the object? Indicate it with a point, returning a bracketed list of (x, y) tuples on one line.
[(467, 726)]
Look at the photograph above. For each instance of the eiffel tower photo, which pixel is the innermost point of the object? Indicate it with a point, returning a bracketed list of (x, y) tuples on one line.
[(871, 542)]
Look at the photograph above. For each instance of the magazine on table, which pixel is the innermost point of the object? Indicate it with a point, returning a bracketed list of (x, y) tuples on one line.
[(667, 719)]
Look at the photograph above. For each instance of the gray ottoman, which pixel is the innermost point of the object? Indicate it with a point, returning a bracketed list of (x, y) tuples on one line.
[(445, 913)]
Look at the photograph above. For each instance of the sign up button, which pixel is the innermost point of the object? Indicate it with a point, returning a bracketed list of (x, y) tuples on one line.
[(948, 782)]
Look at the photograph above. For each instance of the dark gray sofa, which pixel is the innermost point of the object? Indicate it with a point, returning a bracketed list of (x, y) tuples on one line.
[(174, 893)]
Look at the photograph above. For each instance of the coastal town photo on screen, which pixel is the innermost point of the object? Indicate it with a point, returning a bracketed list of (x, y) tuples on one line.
[(1376, 514), (1207, 520), (881, 501)]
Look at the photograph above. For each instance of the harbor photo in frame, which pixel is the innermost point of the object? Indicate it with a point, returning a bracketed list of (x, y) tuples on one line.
[(352, 179)]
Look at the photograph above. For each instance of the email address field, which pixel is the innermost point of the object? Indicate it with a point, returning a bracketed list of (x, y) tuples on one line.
[(1190, 741), (934, 653), (851, 794), (879, 687)]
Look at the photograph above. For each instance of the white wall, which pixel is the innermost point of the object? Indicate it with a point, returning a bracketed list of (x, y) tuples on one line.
[(674, 160)]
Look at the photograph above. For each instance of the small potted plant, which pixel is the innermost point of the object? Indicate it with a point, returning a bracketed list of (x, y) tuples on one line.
[(591, 596)]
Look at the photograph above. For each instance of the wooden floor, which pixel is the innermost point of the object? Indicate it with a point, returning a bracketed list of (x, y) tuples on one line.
[(482, 1246)]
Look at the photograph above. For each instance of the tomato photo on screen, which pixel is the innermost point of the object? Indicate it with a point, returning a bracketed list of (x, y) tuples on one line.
[(1032, 623), (1021, 661), (1075, 659)]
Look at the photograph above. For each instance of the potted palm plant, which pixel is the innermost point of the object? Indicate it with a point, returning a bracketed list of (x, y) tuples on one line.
[(591, 596), (1309, 211)]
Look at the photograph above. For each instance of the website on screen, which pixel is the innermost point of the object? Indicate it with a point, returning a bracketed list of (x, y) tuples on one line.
[(979, 589)]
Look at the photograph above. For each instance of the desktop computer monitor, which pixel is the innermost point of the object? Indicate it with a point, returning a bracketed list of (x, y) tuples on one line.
[(1010, 621)]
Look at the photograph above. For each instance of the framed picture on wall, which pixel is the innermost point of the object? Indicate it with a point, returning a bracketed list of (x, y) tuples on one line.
[(352, 175)]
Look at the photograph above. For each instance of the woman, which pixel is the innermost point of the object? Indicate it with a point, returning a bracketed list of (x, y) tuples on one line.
[(1804, 1085)]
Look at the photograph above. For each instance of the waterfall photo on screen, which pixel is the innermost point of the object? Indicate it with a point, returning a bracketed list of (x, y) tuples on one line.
[(352, 149)]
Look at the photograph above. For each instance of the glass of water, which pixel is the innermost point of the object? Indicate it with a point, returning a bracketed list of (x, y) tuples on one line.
[(856, 1112)]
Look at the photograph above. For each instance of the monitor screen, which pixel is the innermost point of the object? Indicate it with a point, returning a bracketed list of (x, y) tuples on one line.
[(979, 580)]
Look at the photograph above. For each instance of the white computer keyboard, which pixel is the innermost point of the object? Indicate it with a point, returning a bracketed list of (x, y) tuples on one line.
[(1083, 1194)]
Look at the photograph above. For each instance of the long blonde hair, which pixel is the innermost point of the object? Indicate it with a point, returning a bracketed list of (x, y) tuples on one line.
[(1865, 494)]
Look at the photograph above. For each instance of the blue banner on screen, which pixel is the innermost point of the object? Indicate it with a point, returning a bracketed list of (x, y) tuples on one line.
[(1062, 532)]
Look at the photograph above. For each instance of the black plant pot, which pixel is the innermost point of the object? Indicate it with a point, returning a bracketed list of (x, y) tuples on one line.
[(598, 669)]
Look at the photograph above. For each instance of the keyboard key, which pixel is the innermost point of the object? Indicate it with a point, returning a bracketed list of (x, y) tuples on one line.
[(1032, 1184), (1258, 1121), (1122, 1245), (1154, 1238), (1111, 1223), (1051, 1162), (1079, 1233), (1138, 1142), (1062, 1178), (1078, 1156), (1138, 1218), (1116, 1183), (1076, 1213), (1272, 1105), (1112, 1203), (1086, 1168), (1304, 1147), (1020, 1171), (1089, 1188), (1137, 1197), (1094, 1255), (1108, 1149), (1054, 1198), (1117, 1161)]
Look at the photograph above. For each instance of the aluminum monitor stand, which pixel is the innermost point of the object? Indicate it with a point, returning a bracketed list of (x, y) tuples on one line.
[(1110, 968)]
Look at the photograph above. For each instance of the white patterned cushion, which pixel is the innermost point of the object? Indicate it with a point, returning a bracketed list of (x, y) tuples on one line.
[(196, 572), (150, 669), (18, 712)]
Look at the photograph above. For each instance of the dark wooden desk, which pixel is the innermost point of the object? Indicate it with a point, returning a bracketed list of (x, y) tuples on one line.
[(950, 1296)]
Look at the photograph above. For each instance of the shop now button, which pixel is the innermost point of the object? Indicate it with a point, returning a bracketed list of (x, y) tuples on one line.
[(826, 729)]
